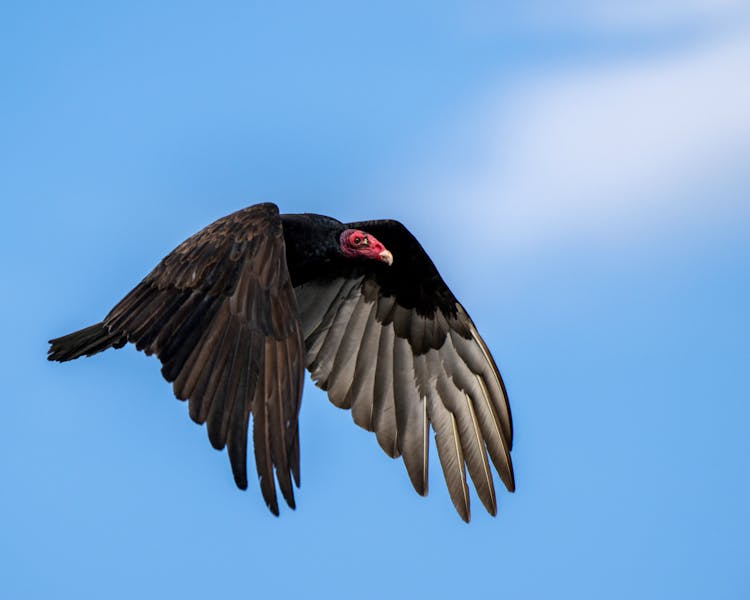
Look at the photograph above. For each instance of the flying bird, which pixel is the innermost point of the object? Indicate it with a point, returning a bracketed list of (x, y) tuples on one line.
[(238, 311)]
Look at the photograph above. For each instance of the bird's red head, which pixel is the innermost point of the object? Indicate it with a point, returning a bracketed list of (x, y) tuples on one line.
[(354, 242)]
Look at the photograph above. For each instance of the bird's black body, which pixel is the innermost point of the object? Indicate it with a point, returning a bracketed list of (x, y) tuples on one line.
[(311, 246), (237, 311)]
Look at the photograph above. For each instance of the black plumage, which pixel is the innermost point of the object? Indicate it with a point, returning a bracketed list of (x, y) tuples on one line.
[(239, 310)]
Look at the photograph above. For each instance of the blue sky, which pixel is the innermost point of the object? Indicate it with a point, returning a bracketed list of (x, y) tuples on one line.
[(579, 172)]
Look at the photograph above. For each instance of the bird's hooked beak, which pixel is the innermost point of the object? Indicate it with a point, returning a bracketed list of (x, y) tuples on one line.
[(386, 257)]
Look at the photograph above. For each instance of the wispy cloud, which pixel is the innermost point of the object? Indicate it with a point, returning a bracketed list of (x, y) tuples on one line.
[(607, 17), (651, 14), (600, 150)]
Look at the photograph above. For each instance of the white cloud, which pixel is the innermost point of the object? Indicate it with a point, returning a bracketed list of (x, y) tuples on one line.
[(603, 150), (606, 16), (658, 13)]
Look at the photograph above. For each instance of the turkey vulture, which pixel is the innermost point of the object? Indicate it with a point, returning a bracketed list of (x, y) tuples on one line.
[(237, 311)]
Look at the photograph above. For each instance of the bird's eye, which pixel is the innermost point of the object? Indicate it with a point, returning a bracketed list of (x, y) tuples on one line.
[(357, 240)]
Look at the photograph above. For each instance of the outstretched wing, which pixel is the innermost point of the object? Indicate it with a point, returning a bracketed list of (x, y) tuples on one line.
[(395, 346), (221, 315)]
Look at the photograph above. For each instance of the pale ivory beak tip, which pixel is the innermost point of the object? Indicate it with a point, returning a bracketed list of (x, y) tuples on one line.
[(386, 257)]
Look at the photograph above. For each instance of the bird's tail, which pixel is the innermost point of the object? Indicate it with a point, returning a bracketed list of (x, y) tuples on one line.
[(85, 342)]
